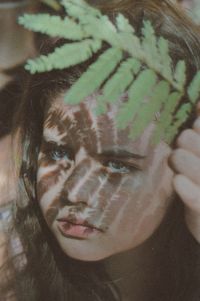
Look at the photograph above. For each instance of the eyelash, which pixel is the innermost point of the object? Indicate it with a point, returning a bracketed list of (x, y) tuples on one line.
[(118, 167), (58, 153)]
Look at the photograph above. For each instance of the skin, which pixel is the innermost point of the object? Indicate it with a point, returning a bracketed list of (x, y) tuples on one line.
[(90, 171), (185, 160), (83, 177)]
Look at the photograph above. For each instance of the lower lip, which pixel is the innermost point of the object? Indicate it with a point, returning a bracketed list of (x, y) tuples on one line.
[(76, 231)]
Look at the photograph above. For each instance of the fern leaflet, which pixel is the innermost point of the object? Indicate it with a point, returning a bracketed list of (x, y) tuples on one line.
[(180, 75), (181, 117), (118, 83), (53, 26), (166, 116), (64, 56), (140, 67), (79, 9), (147, 112), (96, 74), (136, 96)]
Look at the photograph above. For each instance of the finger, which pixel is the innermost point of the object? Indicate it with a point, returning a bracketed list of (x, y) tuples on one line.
[(188, 191), (189, 140), (186, 163), (196, 125)]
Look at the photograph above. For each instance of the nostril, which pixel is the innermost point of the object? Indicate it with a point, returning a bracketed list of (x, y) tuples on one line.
[(77, 207)]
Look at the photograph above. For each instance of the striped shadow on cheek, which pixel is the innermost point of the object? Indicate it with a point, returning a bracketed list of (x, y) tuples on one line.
[(48, 176), (76, 178), (46, 180), (91, 185), (105, 190), (103, 201), (50, 186), (87, 134), (114, 204)]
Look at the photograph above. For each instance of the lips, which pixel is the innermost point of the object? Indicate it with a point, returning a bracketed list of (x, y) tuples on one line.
[(77, 229)]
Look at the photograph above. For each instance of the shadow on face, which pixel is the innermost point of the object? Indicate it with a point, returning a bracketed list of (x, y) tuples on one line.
[(100, 191)]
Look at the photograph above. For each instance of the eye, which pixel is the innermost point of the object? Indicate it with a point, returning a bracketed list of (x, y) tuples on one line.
[(117, 167), (59, 153)]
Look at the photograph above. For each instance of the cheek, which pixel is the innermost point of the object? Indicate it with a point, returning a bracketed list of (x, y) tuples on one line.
[(143, 207), (46, 178), (49, 186), (117, 199), (50, 179), (136, 223)]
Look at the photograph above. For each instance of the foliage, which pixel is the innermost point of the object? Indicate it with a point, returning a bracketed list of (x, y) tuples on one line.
[(140, 67)]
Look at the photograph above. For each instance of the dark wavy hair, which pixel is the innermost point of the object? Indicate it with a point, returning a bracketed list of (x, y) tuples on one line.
[(42, 271)]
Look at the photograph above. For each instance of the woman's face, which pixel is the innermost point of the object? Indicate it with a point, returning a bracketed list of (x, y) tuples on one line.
[(100, 191)]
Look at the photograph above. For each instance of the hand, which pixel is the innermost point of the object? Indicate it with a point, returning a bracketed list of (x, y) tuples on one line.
[(185, 161)]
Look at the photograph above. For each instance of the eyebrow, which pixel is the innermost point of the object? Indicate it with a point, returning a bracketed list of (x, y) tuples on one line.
[(55, 137), (123, 154)]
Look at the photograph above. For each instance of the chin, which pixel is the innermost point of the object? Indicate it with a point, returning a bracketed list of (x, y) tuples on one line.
[(86, 251), (86, 256)]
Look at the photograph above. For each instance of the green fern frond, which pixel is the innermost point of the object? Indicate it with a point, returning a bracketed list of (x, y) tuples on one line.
[(181, 117), (64, 57), (79, 9), (147, 112), (117, 85), (53, 26), (166, 116), (141, 68), (136, 95), (123, 24), (93, 78), (165, 59), (149, 44), (119, 82), (180, 75), (101, 28)]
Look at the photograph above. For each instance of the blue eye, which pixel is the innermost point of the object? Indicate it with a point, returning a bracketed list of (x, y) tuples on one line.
[(117, 167), (60, 154)]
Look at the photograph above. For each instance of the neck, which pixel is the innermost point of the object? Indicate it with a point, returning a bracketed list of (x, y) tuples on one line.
[(140, 274), (132, 271)]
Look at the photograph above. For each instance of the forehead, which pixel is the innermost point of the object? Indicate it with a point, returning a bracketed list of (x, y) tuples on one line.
[(79, 125)]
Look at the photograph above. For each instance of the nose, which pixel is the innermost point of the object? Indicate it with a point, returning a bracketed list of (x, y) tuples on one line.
[(79, 205), (82, 183), (71, 191)]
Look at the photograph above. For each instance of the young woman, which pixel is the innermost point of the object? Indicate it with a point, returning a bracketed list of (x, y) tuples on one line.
[(98, 214)]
